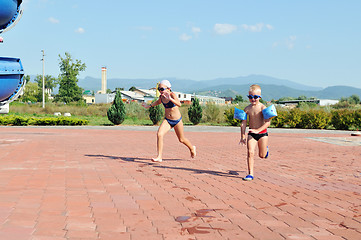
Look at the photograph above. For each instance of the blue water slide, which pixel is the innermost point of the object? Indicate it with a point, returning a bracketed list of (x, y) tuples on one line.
[(11, 79), (11, 69), (9, 13)]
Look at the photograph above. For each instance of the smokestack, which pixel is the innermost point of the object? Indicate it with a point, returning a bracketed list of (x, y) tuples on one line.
[(104, 80)]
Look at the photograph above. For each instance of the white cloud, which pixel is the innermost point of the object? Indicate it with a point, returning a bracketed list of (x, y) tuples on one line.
[(80, 30), (293, 38), (224, 28), (53, 20), (269, 26), (185, 37), (257, 27), (196, 30), (290, 42)]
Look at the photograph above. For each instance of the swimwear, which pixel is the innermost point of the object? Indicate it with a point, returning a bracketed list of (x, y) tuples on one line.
[(258, 136), (172, 123), (169, 104)]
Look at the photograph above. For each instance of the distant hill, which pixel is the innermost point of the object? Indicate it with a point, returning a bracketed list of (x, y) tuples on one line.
[(339, 91), (187, 85), (272, 88), (270, 92)]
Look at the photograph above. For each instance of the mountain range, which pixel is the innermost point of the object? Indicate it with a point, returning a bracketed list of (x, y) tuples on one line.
[(272, 88)]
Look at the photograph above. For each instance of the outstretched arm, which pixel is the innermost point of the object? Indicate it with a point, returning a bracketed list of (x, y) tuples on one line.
[(153, 104)]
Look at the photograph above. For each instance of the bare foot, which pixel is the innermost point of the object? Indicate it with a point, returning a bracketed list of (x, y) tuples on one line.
[(158, 159), (194, 152)]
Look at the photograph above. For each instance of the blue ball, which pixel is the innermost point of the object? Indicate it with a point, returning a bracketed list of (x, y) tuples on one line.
[(8, 9)]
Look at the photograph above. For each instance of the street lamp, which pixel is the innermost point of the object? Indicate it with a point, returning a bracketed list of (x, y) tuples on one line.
[(43, 59)]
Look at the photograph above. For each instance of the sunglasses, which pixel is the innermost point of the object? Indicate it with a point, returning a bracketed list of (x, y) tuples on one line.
[(254, 96), (162, 89)]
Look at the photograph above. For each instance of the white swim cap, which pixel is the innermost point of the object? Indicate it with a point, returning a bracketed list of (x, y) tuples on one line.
[(166, 83)]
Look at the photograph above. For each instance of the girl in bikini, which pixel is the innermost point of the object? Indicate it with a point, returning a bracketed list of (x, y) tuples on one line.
[(173, 119)]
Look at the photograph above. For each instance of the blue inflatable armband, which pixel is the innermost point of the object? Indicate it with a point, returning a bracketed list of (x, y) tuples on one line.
[(239, 114), (269, 112)]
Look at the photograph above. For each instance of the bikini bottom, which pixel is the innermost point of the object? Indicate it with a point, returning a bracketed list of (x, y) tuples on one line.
[(172, 123), (258, 136)]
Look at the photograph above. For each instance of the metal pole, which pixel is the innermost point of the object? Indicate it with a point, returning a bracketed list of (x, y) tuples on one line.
[(43, 78)]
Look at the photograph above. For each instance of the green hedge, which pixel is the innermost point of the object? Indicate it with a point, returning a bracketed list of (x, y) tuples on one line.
[(344, 119), (53, 121)]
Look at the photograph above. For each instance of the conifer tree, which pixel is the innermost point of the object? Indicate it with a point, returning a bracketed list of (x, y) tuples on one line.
[(195, 112), (116, 113), (155, 113), (69, 91)]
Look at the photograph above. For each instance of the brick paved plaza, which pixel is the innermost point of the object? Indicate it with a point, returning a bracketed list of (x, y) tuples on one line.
[(99, 183)]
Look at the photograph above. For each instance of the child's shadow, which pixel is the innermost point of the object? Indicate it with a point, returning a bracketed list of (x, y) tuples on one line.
[(231, 173)]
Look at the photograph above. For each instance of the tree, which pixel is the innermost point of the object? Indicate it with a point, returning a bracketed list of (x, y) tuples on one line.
[(354, 99), (302, 97), (195, 112), (132, 89), (31, 93), (155, 113), (238, 99), (69, 91), (26, 78), (116, 113), (50, 84), (50, 81)]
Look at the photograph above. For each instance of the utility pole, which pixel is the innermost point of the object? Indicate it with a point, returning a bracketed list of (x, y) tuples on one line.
[(43, 59)]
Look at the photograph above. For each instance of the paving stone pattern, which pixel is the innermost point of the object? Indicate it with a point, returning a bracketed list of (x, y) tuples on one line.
[(76, 183)]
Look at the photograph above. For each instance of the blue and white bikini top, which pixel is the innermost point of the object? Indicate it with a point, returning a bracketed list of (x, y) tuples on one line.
[(169, 104)]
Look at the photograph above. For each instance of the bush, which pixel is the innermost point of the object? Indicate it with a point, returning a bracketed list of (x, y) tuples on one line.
[(316, 119), (116, 113), (48, 121), (195, 112), (229, 117), (294, 118), (281, 119), (212, 112), (155, 113), (357, 117), (344, 119), (136, 110)]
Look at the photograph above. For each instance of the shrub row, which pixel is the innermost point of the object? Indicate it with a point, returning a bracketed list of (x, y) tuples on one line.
[(24, 121), (345, 119)]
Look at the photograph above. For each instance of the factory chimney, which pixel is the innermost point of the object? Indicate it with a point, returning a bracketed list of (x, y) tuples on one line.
[(104, 80)]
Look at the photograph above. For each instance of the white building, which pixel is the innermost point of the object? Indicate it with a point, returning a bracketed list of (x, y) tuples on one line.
[(327, 102), (148, 95), (184, 97), (207, 99), (132, 96), (127, 96), (320, 102), (104, 98)]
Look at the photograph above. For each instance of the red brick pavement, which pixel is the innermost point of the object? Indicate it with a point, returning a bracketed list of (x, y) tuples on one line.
[(70, 183)]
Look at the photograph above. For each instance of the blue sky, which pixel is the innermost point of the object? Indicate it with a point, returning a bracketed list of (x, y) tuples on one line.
[(311, 42)]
